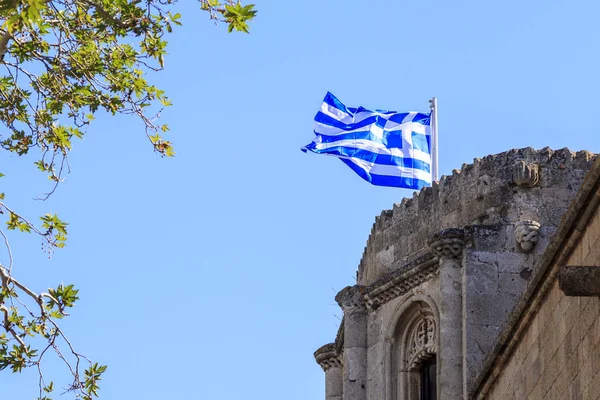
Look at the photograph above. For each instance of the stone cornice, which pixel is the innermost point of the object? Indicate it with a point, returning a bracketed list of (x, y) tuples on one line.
[(448, 243), (327, 357), (401, 281)]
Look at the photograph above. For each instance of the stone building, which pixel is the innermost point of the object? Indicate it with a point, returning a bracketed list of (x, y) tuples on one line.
[(485, 285)]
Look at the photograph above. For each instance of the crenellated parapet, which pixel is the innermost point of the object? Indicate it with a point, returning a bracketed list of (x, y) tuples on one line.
[(506, 189)]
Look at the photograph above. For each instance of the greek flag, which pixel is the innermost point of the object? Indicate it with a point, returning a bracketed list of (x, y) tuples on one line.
[(385, 148)]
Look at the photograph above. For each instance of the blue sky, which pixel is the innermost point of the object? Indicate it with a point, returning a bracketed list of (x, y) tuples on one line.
[(212, 275)]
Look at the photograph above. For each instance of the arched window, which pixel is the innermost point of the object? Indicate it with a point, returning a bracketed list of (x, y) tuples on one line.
[(429, 379), (412, 349)]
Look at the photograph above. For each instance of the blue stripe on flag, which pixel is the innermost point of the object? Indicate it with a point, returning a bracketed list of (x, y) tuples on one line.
[(377, 158), (371, 147), (419, 118), (327, 120), (333, 101), (386, 180), (390, 139)]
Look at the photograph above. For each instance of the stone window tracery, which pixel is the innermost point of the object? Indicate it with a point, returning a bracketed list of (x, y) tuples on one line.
[(422, 344)]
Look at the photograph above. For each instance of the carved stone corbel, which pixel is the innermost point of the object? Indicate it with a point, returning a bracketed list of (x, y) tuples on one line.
[(526, 234), (525, 175)]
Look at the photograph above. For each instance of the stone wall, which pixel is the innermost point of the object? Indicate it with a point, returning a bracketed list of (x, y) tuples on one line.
[(455, 261), (491, 199), (516, 185), (559, 355), (496, 272)]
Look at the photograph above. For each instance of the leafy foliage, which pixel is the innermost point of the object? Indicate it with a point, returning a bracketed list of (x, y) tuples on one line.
[(62, 62)]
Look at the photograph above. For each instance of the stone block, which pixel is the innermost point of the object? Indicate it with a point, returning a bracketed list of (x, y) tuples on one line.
[(588, 316), (385, 257), (536, 393), (354, 390), (375, 362), (489, 309), (334, 384), (580, 280), (575, 392), (482, 276), (355, 329), (512, 262), (561, 382), (486, 238), (511, 283), (374, 332), (354, 364)]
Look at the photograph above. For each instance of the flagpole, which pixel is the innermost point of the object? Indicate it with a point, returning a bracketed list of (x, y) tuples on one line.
[(434, 139)]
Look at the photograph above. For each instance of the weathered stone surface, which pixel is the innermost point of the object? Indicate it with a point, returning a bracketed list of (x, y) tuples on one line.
[(546, 350), (462, 254), (375, 372), (448, 243), (334, 384), (451, 324), (327, 357), (351, 298), (331, 362), (481, 339), (483, 193), (581, 280)]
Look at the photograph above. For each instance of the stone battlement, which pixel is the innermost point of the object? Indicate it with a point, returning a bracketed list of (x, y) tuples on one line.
[(501, 189)]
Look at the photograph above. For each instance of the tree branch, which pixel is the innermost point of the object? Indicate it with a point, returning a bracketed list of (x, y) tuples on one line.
[(9, 329)]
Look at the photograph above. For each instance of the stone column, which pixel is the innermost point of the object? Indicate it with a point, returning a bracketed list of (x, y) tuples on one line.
[(331, 362), (352, 303), (447, 246)]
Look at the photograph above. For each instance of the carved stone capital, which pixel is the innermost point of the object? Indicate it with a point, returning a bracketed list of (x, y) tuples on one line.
[(352, 298), (526, 234), (525, 175), (448, 243), (327, 357)]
